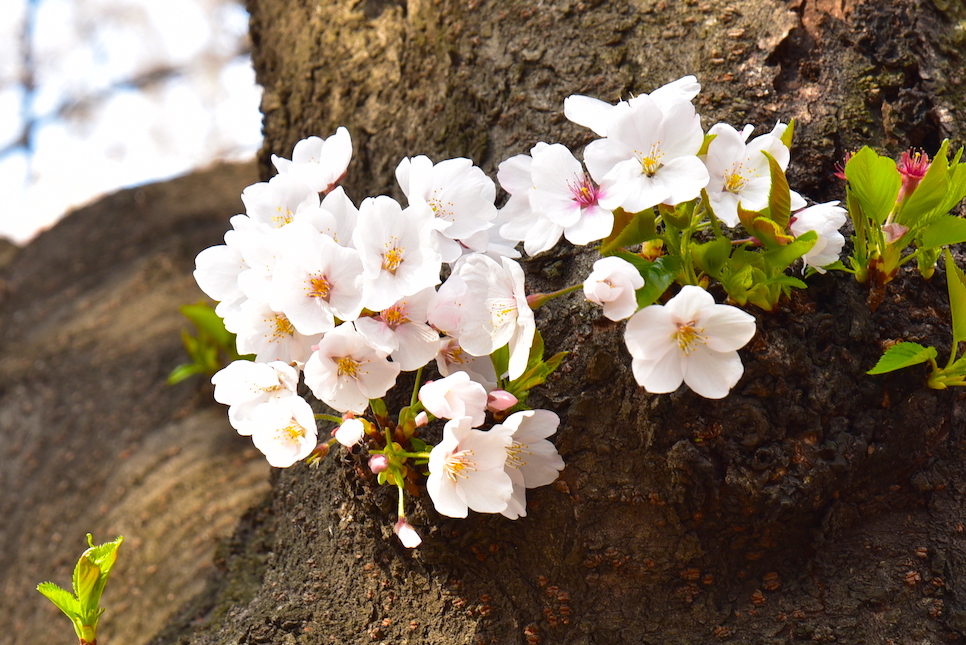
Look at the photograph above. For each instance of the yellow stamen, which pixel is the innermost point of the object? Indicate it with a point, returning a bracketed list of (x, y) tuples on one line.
[(348, 367), (457, 462), (283, 217), (320, 287), (687, 336), (392, 258), (283, 327), (395, 315)]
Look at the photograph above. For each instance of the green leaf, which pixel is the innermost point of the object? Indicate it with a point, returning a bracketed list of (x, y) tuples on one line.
[(779, 196), (658, 276), (903, 355), (788, 134), (640, 227), (64, 599), (956, 283), (208, 322), (769, 233), (874, 182), (943, 231), (782, 256), (501, 360), (712, 256), (182, 372)]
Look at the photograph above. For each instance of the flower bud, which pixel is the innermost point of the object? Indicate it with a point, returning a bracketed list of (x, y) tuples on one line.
[(407, 534), (500, 400), (350, 432), (378, 463), (421, 419)]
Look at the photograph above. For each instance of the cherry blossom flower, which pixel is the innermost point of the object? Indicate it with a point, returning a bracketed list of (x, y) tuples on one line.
[(598, 115), (496, 312), (466, 470), (318, 163), (612, 284), (216, 271), (345, 371), (269, 334), (561, 200), (402, 331), (532, 461), (912, 167), (460, 196), (826, 220), (285, 430), (452, 358), (740, 173), (276, 202), (398, 257), (316, 280), (455, 397), (649, 156), (690, 339), (350, 432), (242, 385)]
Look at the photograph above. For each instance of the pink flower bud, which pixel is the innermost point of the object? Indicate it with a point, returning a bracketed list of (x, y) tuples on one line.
[(500, 400), (378, 463), (421, 419), (893, 232), (407, 534)]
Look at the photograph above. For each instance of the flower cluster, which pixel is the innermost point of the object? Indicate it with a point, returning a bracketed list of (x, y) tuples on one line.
[(344, 298)]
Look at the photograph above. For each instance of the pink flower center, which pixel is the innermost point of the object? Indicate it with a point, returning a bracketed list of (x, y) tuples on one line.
[(584, 191)]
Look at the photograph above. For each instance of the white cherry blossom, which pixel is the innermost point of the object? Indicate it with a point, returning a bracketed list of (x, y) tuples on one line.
[(242, 385), (318, 163), (690, 339), (285, 430), (466, 470), (350, 432), (402, 331), (454, 397), (532, 461), (598, 115), (649, 157), (268, 334), (826, 220), (345, 371), (612, 284), (276, 202)]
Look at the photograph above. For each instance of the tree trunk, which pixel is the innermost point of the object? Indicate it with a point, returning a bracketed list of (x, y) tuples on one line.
[(813, 503)]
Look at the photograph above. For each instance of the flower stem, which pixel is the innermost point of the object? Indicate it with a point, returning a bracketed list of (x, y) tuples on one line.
[(329, 417)]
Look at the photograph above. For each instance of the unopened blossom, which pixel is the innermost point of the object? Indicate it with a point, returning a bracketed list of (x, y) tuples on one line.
[(466, 470), (612, 284), (649, 157), (350, 432), (242, 385), (740, 172), (532, 461), (826, 220), (496, 312), (500, 400), (690, 339), (378, 463), (406, 533), (397, 251), (345, 371), (460, 196), (285, 430), (455, 397), (318, 163)]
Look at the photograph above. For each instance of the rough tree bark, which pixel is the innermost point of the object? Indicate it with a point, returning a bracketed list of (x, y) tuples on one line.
[(814, 503)]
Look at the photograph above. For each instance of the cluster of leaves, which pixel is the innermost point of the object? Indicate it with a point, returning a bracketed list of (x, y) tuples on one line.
[(211, 349)]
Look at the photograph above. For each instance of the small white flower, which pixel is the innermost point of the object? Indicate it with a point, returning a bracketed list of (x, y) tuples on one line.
[(345, 371), (690, 339), (452, 358), (242, 385), (277, 201), (401, 331), (318, 163), (824, 219), (740, 173), (612, 284), (269, 334), (455, 397), (466, 470), (496, 312), (598, 115), (532, 461), (285, 430), (649, 157), (350, 432)]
